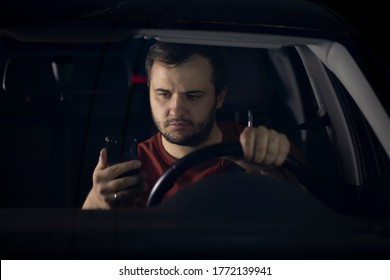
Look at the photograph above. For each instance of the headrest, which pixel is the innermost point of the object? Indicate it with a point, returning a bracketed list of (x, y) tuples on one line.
[(69, 74), (103, 75), (248, 80), (29, 75)]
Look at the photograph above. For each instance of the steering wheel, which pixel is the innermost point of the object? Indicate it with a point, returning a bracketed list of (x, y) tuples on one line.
[(167, 180)]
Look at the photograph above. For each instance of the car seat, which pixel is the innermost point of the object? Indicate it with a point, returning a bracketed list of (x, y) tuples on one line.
[(253, 85)]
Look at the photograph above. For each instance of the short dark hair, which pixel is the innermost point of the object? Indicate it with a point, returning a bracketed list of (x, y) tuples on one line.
[(176, 54)]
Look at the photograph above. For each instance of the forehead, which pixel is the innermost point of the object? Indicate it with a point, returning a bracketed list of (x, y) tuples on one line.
[(196, 67)]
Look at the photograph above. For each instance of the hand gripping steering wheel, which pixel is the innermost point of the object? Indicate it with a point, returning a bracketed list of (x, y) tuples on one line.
[(167, 180)]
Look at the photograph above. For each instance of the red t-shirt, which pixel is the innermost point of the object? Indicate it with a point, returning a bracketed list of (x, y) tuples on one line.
[(155, 159)]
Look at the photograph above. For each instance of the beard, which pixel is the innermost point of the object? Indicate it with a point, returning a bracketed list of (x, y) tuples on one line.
[(198, 134)]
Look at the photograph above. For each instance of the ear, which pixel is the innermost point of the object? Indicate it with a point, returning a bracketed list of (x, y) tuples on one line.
[(221, 98)]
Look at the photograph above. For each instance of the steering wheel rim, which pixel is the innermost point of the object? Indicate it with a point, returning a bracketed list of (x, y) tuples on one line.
[(167, 180)]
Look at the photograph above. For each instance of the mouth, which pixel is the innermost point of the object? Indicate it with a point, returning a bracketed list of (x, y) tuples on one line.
[(178, 124)]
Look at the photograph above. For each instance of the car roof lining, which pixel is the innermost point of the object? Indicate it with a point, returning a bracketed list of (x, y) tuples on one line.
[(231, 39), (104, 32)]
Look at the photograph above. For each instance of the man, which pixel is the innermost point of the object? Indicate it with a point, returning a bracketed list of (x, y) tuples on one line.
[(187, 85)]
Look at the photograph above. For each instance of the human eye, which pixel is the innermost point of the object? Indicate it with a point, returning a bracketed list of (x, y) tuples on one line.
[(193, 96), (164, 94)]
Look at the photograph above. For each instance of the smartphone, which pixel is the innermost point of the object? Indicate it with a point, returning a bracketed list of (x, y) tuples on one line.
[(120, 149)]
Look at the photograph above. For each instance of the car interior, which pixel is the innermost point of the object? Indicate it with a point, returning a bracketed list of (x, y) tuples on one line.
[(63, 91)]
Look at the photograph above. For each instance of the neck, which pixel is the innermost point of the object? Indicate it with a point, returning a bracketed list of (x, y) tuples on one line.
[(178, 151)]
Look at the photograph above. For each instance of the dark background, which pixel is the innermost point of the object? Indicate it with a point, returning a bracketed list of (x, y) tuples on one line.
[(369, 18)]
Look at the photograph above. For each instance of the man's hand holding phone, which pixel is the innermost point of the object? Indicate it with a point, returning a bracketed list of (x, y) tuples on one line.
[(117, 180)]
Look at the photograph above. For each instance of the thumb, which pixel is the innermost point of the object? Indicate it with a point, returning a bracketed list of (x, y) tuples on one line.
[(246, 165), (102, 163)]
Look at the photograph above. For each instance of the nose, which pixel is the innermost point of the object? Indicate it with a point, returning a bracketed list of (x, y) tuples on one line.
[(177, 105)]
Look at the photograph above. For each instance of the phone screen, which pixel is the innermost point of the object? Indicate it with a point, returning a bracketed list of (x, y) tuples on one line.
[(120, 149)]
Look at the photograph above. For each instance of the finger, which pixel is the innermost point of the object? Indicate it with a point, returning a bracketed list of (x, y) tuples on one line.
[(247, 140), (118, 169), (284, 149), (272, 148), (131, 193), (127, 197), (128, 182), (260, 145), (102, 162), (107, 184), (98, 175), (248, 166)]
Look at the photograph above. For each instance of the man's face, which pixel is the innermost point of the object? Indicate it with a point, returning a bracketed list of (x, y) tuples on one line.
[(183, 101)]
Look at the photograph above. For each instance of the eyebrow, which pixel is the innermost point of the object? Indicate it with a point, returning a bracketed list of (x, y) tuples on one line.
[(187, 92), (162, 89)]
